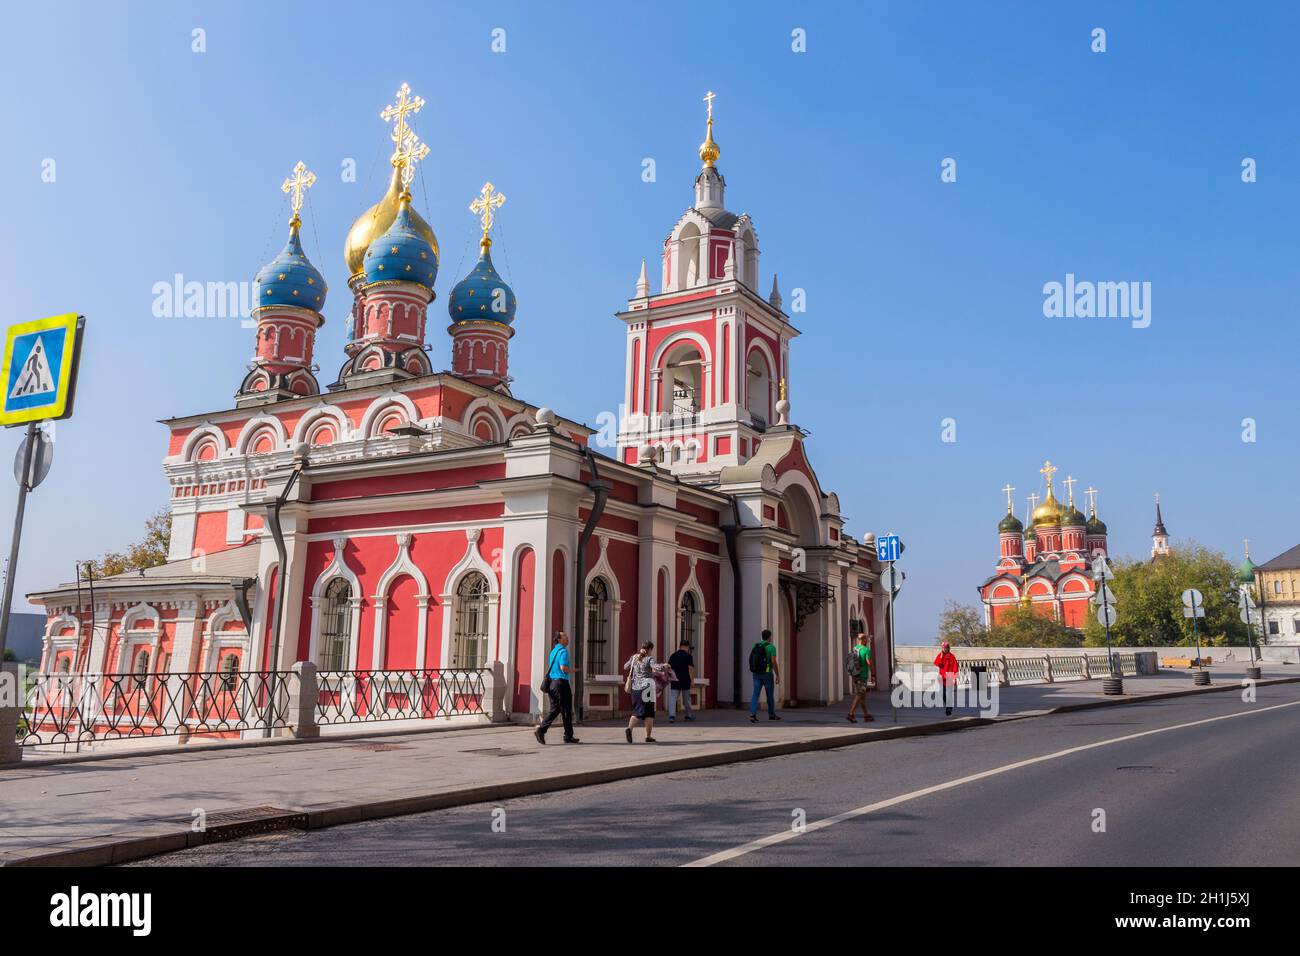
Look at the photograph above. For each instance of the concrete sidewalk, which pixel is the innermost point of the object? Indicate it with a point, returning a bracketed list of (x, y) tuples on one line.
[(100, 811)]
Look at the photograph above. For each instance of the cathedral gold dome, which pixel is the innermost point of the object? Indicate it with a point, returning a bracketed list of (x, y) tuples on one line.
[(1049, 512), (376, 221)]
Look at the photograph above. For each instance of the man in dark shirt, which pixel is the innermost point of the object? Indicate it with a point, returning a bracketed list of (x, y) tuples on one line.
[(683, 668)]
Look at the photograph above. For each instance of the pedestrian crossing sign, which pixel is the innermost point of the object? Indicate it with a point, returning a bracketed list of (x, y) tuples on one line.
[(39, 370)]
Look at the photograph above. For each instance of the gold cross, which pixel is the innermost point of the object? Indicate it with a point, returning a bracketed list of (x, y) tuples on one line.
[(709, 97), (1069, 484), (488, 200), (405, 104), (407, 154), (1092, 500), (299, 183), (1007, 491), (1049, 470)]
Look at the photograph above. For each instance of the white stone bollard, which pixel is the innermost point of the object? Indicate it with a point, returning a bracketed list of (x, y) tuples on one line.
[(11, 699), (303, 700), (494, 693)]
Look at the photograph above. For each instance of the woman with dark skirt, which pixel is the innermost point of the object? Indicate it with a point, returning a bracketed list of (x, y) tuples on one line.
[(642, 685)]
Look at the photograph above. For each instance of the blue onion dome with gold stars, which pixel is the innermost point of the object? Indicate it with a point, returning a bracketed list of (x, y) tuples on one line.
[(402, 254), (290, 278), (482, 296)]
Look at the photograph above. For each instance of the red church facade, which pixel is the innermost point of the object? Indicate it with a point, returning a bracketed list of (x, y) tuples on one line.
[(433, 521), (1045, 563)]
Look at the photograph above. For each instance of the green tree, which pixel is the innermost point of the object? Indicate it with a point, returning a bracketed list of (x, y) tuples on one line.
[(1023, 627), (961, 625), (1149, 607), (148, 552)]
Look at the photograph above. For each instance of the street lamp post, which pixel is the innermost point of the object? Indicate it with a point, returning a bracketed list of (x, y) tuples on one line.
[(1113, 684)]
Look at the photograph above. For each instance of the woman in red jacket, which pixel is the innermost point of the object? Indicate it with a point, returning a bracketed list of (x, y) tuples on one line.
[(947, 664)]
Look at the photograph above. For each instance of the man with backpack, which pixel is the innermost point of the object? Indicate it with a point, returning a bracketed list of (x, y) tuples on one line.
[(858, 666), (767, 673)]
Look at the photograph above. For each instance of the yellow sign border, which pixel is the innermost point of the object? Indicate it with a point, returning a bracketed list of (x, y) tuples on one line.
[(62, 386)]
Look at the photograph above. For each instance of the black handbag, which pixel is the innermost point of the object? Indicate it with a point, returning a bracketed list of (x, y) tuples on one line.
[(545, 685)]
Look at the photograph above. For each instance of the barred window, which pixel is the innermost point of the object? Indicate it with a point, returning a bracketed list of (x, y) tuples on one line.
[(596, 658), (336, 626), (141, 667), (229, 668), (690, 625), (469, 643)]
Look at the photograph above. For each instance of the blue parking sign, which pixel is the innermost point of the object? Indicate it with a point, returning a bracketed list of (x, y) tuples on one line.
[(39, 369)]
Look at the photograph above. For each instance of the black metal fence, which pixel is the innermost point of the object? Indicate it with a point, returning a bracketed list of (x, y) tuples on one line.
[(366, 695), (81, 708)]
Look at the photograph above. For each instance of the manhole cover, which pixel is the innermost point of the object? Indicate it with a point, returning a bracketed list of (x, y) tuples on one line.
[(1146, 769), (233, 824)]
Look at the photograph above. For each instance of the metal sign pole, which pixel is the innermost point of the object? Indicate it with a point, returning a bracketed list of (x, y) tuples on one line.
[(23, 487)]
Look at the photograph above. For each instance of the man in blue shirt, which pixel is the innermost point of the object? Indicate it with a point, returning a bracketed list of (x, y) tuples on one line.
[(560, 691)]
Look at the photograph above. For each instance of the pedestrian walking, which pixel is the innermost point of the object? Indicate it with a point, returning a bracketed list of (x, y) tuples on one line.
[(947, 664), (556, 686), (859, 668), (643, 686), (766, 671), (682, 667)]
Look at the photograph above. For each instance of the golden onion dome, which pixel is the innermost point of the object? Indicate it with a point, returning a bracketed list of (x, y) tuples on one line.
[(1049, 513), (375, 221), (709, 151)]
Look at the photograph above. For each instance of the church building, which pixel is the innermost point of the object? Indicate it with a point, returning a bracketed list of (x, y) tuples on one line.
[(1045, 563), (406, 518)]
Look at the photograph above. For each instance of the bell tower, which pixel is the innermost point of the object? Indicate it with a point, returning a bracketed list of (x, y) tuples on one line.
[(707, 357)]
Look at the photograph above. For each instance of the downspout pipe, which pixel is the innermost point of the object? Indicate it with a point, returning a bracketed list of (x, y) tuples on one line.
[(732, 533), (600, 490), (277, 533)]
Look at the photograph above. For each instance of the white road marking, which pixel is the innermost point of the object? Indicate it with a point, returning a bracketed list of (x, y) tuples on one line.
[(775, 838)]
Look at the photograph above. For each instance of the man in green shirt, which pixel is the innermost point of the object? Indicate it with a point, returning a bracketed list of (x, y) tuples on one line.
[(861, 652)]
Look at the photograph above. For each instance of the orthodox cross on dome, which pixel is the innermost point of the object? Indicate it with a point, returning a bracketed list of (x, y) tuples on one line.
[(487, 202), (1246, 543), (296, 186), (406, 104), (1157, 499), (1033, 503), (407, 155), (1048, 470), (1006, 490), (709, 151), (1069, 483), (1092, 500)]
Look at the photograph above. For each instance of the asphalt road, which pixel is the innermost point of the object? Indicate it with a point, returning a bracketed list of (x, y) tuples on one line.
[(1224, 792)]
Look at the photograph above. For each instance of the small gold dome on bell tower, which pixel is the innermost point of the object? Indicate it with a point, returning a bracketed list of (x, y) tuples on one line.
[(709, 151)]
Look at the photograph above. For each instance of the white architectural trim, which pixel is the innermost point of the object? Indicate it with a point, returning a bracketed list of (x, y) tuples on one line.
[(402, 565), (204, 431), (470, 561), (604, 570), (311, 418), (383, 403), (337, 568), (255, 425)]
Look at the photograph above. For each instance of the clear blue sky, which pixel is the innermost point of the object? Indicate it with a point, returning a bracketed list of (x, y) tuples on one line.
[(924, 298)]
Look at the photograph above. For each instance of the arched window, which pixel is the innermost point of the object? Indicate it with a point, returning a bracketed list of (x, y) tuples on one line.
[(683, 379), (65, 665), (759, 388), (141, 669), (689, 614), (229, 668), (596, 655), (469, 643), (336, 627)]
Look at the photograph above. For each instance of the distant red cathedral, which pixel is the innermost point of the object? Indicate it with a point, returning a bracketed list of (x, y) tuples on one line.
[(1046, 564)]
